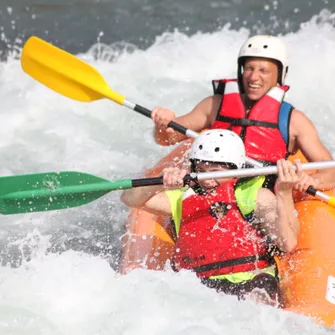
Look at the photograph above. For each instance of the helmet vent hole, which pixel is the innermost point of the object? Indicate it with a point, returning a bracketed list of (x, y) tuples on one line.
[(265, 46), (250, 45), (200, 147), (217, 149)]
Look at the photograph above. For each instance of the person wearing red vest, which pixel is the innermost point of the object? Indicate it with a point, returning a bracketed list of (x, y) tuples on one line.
[(227, 229), (253, 106)]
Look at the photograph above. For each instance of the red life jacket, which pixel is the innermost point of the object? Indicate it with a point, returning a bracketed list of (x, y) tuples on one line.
[(260, 129), (215, 239)]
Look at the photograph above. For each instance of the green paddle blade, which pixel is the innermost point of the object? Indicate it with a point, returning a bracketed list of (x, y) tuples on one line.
[(51, 191)]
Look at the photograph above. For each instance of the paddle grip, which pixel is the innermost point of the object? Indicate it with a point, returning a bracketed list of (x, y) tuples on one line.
[(147, 182), (188, 178), (311, 190), (178, 127), (157, 181), (146, 112), (321, 195)]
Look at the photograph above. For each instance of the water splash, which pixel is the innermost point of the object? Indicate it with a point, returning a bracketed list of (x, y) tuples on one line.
[(56, 275)]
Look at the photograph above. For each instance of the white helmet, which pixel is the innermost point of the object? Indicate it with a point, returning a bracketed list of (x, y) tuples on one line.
[(219, 146), (265, 46)]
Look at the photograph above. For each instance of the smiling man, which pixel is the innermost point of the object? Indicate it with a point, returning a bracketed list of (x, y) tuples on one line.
[(253, 106)]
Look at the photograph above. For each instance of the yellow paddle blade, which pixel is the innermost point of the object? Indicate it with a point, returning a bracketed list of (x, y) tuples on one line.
[(65, 73)]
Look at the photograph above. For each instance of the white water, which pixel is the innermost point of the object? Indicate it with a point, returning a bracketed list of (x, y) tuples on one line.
[(75, 291)]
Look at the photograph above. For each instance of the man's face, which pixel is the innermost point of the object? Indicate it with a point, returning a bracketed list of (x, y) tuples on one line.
[(259, 76)]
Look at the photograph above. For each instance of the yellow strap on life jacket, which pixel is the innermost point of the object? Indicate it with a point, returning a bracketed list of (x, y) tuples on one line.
[(240, 277), (246, 194), (176, 202)]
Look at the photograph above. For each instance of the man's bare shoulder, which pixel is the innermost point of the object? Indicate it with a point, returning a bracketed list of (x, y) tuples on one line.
[(213, 104), (212, 100), (298, 115), (300, 123)]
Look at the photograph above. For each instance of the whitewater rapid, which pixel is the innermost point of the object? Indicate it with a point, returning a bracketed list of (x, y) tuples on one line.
[(58, 268)]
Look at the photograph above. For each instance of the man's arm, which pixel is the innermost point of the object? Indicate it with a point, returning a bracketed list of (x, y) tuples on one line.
[(153, 199), (276, 214), (306, 138), (200, 118), (277, 218)]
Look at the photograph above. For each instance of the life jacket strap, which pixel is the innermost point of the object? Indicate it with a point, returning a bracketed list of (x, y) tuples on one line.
[(242, 122), (234, 262)]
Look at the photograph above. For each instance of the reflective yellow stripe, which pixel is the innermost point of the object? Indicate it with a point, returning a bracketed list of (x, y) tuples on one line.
[(244, 276), (175, 198), (246, 194)]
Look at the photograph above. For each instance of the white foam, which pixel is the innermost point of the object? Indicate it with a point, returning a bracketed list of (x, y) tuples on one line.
[(75, 293)]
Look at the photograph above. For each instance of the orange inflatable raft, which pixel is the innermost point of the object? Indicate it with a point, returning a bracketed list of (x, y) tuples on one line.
[(307, 274)]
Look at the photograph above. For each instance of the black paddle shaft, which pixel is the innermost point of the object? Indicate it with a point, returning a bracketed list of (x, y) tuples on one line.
[(146, 112), (158, 181)]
